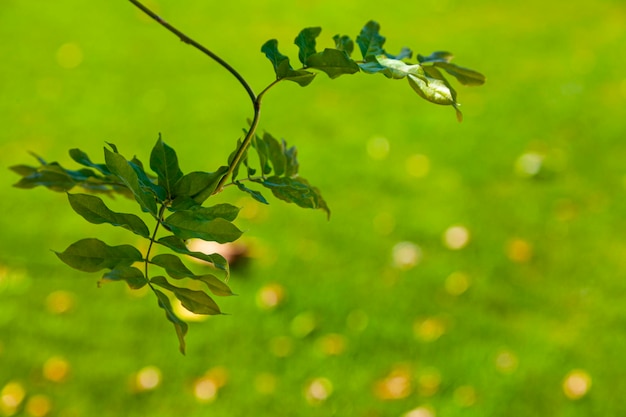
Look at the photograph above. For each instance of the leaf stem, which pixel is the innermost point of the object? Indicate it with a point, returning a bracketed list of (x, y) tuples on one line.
[(153, 240), (186, 39)]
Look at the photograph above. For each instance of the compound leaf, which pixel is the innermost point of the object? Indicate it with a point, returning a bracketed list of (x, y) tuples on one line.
[(186, 224), (91, 255), (94, 210), (133, 276), (296, 190), (164, 162), (178, 245), (333, 62), (306, 43), (199, 185), (197, 302), (172, 264), (180, 326)]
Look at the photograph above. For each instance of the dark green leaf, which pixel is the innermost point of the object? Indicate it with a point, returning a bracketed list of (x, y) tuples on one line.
[(306, 43), (112, 146), (133, 276), (263, 152), (465, 76), (91, 255), (94, 210), (291, 158), (276, 154), (187, 225), (82, 158), (148, 182), (126, 173), (253, 193), (344, 43), (172, 264), (178, 245), (164, 162), (199, 185), (179, 325), (333, 62), (23, 170), (48, 176), (405, 53), (197, 302), (296, 190), (370, 41), (282, 68), (215, 285), (438, 56)]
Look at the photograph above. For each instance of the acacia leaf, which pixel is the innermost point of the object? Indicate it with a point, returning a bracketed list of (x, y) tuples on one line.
[(133, 276), (197, 302), (296, 190), (172, 264), (164, 162), (186, 224), (91, 255), (179, 325)]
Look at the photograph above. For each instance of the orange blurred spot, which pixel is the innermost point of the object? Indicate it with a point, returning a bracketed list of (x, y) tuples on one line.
[(332, 344), (395, 386), (457, 283), (576, 384), (519, 250), (148, 378), (270, 296), (420, 412), (11, 397), (406, 255), (205, 389), (56, 369), (38, 406), (429, 329), (429, 381)]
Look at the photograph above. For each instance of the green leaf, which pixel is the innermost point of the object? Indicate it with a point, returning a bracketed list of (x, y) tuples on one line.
[(405, 53), (172, 264), (133, 276), (164, 162), (23, 170), (91, 255), (282, 68), (215, 285), (82, 158), (121, 168), (465, 76), (291, 159), (438, 56), (148, 182), (253, 193), (51, 177), (306, 43), (263, 152), (344, 43), (180, 326), (370, 41), (333, 62), (394, 68), (435, 89), (187, 224), (276, 154), (197, 302), (94, 210), (199, 185), (296, 190), (178, 245)]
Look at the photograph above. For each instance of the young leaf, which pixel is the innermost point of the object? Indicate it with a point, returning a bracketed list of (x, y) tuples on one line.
[(333, 62), (172, 264), (296, 190), (91, 255), (187, 224), (133, 276), (344, 43), (253, 193), (178, 245), (180, 326), (94, 210), (126, 173), (197, 302), (394, 68), (435, 89), (306, 43), (164, 162), (282, 68), (370, 41)]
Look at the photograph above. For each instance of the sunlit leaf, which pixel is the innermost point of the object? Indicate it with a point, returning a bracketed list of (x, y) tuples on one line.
[(187, 225), (435, 89), (91, 255), (94, 210), (180, 326), (178, 245), (197, 302), (164, 162), (394, 68), (344, 43), (133, 276), (306, 43), (333, 62), (296, 190), (172, 264), (215, 285), (126, 173)]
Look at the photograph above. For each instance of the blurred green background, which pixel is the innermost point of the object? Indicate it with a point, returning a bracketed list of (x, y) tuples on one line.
[(472, 269)]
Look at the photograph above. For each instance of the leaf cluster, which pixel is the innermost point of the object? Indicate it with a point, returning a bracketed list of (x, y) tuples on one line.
[(425, 76)]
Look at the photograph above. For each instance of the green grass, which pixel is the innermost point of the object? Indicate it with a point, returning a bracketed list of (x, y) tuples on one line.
[(555, 87)]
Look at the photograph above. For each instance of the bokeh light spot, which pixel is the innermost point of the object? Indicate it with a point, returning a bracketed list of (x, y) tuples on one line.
[(148, 378), (576, 384), (265, 383), (56, 369), (332, 344), (506, 362), (418, 165), (428, 382), (11, 397), (465, 396), (270, 296), (395, 386), (519, 251), (429, 329), (318, 390), (378, 148), (303, 324), (406, 255), (529, 164), (457, 283), (38, 406), (69, 55), (456, 237), (420, 412), (205, 390), (59, 302)]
